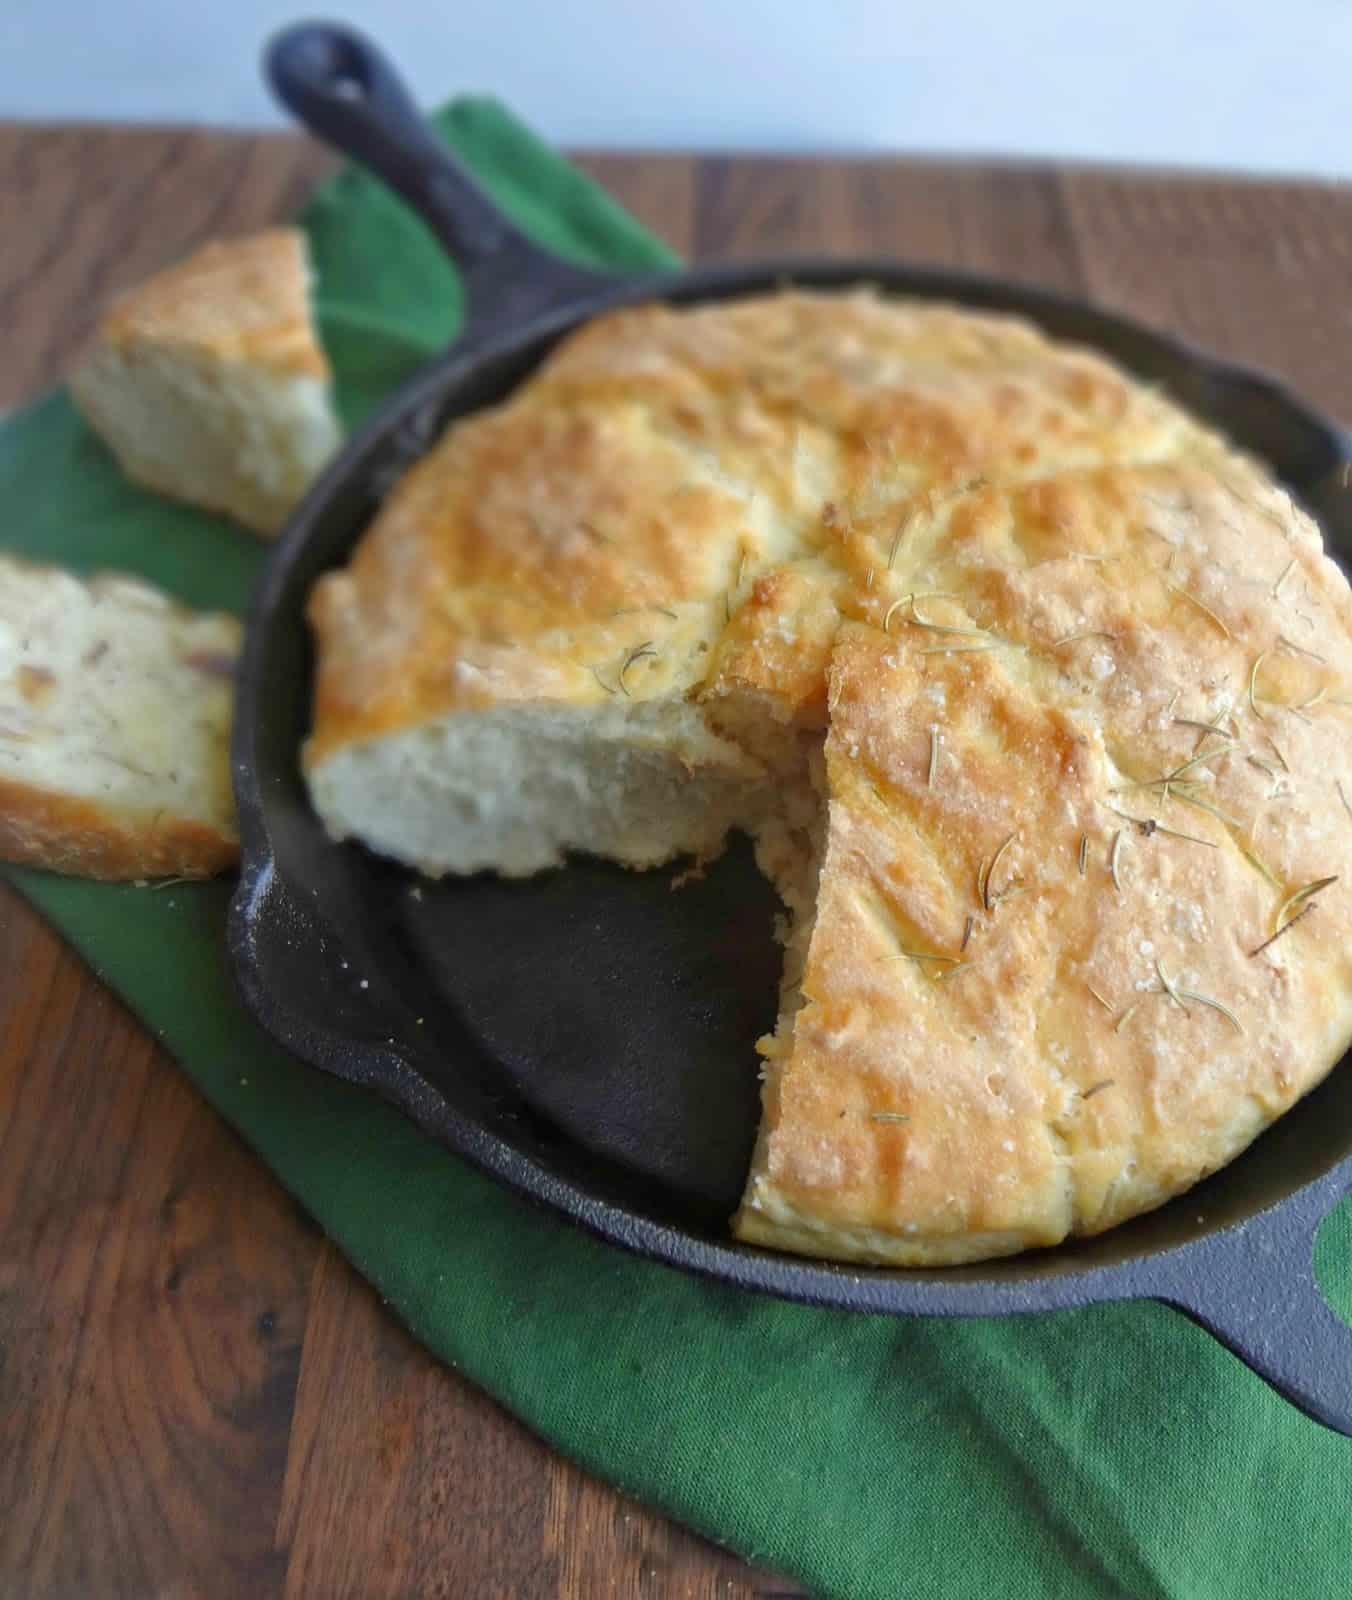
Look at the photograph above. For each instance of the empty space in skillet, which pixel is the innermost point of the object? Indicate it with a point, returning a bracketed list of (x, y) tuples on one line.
[(601, 1022)]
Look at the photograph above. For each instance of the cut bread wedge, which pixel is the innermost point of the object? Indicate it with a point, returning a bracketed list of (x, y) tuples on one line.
[(115, 710), (1031, 691), (208, 382)]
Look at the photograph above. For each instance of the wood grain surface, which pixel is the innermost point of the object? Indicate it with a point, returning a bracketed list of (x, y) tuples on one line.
[(172, 1332)]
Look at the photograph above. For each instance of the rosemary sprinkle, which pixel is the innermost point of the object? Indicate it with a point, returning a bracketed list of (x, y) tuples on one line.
[(1300, 896), (638, 653), (1258, 660), (1214, 1005), (1113, 858), (921, 955), (989, 873), (1166, 984), (1201, 606), (1286, 927)]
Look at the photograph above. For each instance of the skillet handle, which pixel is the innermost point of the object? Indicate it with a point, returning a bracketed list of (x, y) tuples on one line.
[(1254, 1289), (345, 91)]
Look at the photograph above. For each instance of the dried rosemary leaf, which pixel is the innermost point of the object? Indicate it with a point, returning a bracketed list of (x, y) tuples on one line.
[(1258, 864), (1300, 650), (910, 599), (1200, 759), (1258, 661), (1214, 1005), (638, 653), (1301, 895), (1149, 827), (1285, 928), (1074, 638), (1210, 727), (1190, 798), (958, 966), (986, 898), (1114, 856), (1201, 605), (1166, 984), (968, 649), (896, 541), (1106, 1006), (917, 621)]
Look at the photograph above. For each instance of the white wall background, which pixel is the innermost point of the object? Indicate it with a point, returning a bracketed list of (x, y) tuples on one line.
[(1258, 84)]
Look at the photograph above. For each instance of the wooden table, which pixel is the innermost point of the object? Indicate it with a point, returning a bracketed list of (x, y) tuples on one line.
[(172, 1332)]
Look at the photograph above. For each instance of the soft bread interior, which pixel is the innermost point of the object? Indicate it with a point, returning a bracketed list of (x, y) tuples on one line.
[(115, 709), (517, 788), (230, 436)]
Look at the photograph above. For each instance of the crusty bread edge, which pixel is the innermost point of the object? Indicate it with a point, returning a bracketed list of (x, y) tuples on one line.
[(62, 834)]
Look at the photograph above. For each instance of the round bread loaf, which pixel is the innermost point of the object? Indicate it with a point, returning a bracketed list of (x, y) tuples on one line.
[(1033, 692)]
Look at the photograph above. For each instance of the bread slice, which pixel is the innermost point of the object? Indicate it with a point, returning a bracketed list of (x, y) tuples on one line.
[(115, 708), (1032, 691), (208, 382)]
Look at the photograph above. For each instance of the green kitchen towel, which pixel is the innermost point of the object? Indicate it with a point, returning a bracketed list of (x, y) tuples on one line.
[(1112, 1451)]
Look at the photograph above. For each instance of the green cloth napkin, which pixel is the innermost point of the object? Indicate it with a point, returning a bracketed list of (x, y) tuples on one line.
[(1113, 1451)]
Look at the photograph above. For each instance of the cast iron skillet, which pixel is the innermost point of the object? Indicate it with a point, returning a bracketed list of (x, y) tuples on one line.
[(587, 1036)]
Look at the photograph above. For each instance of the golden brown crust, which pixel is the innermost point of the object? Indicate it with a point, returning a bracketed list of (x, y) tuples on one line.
[(243, 299), (659, 463), (1119, 634), (65, 834), (1030, 1074)]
